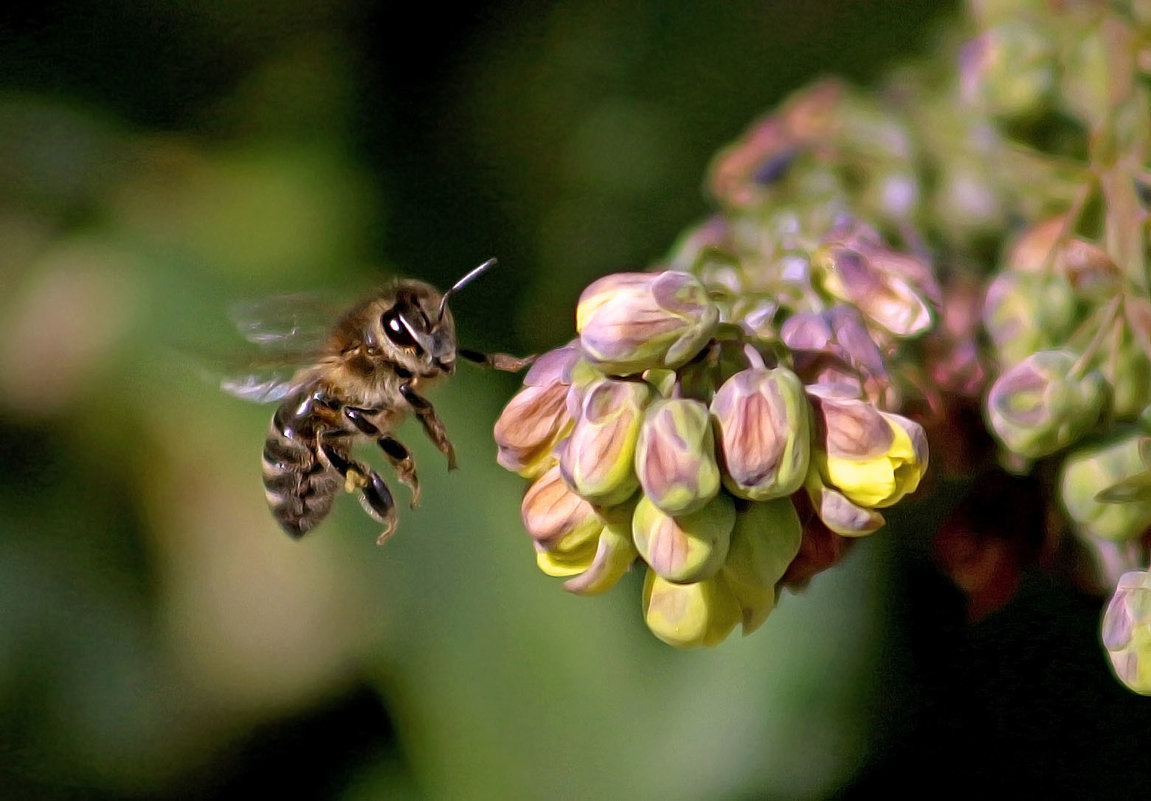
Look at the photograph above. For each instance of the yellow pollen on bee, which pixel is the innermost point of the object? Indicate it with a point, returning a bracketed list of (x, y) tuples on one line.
[(354, 480)]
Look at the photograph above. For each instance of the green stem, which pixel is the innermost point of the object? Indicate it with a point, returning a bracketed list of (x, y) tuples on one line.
[(1106, 327)]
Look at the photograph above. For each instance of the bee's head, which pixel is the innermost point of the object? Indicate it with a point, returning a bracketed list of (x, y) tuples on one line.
[(416, 329)]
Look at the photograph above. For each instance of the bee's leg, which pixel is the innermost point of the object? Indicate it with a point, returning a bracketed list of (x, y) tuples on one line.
[(398, 456), (375, 496), (433, 425), (496, 361), (401, 460)]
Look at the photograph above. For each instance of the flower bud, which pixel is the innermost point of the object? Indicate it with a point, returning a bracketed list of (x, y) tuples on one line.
[(615, 552), (885, 297), (837, 332), (1092, 470), (675, 456), (833, 348), (1027, 312), (819, 549), (1039, 406), (629, 322), (765, 539), (579, 376), (1126, 631), (558, 520), (684, 548), (690, 615), (764, 422), (1046, 248), (699, 242), (839, 514), (536, 418), (598, 459), (742, 173), (1010, 70), (873, 458), (916, 271)]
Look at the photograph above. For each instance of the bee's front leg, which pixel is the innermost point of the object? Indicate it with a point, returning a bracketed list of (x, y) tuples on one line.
[(375, 496), (397, 455), (433, 425), (497, 361)]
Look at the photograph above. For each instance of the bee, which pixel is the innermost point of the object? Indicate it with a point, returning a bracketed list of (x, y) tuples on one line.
[(362, 377)]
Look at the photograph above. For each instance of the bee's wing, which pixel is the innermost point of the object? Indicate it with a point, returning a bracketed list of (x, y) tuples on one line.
[(265, 383), (296, 323), (285, 334)]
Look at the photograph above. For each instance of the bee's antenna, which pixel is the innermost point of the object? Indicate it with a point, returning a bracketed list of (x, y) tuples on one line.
[(467, 279)]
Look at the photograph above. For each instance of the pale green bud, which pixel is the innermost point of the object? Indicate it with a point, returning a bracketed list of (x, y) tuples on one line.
[(764, 422), (685, 548), (598, 459), (1038, 406), (629, 322), (1092, 470), (1027, 312), (675, 456), (1126, 631), (765, 539), (690, 615)]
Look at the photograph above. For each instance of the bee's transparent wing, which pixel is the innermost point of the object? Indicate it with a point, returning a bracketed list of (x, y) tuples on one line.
[(292, 323), (262, 384), (285, 334)]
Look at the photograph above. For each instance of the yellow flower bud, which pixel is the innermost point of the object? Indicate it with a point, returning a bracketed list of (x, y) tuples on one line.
[(873, 458), (615, 552), (629, 322), (838, 513), (687, 547), (564, 563), (690, 615)]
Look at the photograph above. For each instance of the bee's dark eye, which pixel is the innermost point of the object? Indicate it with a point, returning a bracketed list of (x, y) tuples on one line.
[(396, 331)]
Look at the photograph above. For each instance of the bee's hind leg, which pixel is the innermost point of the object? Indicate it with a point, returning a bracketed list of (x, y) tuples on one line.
[(375, 496), (398, 456)]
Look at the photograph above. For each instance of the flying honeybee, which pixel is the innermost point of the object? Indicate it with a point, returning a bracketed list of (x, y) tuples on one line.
[(355, 383)]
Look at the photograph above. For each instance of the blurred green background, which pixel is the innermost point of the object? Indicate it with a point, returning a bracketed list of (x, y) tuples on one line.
[(160, 638)]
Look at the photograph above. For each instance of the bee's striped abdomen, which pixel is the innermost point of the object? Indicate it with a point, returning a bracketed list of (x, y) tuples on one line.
[(299, 487)]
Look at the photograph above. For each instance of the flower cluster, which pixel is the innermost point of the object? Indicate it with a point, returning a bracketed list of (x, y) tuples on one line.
[(963, 258), (678, 433)]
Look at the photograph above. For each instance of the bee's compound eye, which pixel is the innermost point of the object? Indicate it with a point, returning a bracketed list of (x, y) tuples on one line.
[(396, 331)]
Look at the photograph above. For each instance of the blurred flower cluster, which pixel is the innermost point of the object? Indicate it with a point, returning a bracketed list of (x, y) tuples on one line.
[(956, 257)]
